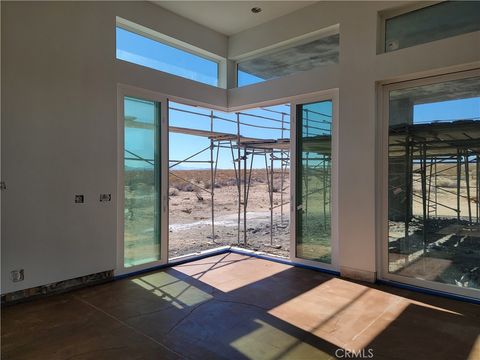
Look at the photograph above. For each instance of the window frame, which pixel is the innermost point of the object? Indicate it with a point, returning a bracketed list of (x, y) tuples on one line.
[(179, 45), (387, 14), (382, 171), (129, 91), (327, 95)]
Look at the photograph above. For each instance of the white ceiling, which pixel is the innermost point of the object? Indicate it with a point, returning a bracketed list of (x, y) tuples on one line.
[(231, 17)]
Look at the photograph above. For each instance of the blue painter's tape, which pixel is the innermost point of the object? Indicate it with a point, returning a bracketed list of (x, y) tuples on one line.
[(171, 264), (429, 291), (288, 262)]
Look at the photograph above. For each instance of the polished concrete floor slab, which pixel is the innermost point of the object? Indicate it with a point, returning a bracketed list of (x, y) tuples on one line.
[(232, 306)]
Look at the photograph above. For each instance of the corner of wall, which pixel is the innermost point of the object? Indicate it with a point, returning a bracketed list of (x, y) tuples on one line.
[(357, 274)]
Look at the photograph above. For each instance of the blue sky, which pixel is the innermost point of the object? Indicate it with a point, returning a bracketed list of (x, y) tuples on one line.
[(244, 78), (146, 52), (141, 141), (178, 150), (143, 51), (447, 110)]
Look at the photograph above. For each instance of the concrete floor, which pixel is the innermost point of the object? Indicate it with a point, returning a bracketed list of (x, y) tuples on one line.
[(237, 307)]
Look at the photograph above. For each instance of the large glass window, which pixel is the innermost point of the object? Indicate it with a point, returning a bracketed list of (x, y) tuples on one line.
[(313, 181), (142, 181), (300, 57), (229, 179), (145, 51), (433, 182), (432, 23)]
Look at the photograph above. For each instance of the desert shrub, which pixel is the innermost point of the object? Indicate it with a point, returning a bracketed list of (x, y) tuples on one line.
[(224, 177), (143, 188), (130, 206), (447, 182), (217, 185), (227, 182), (172, 192), (184, 186), (277, 186)]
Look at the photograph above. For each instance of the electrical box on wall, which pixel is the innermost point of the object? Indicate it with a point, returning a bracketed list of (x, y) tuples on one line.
[(105, 197), (79, 199), (17, 275)]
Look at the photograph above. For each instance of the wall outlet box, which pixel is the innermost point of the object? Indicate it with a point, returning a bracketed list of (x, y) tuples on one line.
[(79, 199), (105, 197), (17, 275)]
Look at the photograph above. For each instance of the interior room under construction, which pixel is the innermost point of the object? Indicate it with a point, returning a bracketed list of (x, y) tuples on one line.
[(241, 180)]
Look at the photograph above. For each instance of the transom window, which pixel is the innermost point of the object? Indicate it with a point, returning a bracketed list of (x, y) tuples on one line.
[(148, 51)]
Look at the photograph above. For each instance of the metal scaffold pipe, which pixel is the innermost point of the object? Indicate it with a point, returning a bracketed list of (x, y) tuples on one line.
[(271, 199), (239, 178), (212, 179)]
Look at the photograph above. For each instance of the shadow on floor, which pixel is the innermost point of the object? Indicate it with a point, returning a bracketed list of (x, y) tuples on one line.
[(232, 306)]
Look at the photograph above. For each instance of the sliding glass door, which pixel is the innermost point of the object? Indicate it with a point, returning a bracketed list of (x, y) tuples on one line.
[(141, 181), (432, 235), (141, 174), (314, 240)]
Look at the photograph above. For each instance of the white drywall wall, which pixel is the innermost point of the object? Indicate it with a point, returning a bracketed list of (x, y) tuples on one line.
[(59, 79), (59, 86)]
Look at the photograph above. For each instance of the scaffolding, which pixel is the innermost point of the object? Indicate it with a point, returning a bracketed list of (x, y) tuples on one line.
[(243, 150), (273, 152), (424, 151)]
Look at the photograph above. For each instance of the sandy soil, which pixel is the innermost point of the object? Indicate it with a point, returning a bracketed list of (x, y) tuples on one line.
[(190, 225), (190, 220)]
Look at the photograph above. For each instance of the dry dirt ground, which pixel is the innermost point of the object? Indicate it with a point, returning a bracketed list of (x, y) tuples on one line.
[(451, 252), (190, 213)]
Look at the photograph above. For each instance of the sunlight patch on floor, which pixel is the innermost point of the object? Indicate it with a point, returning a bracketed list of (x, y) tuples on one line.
[(341, 312), (475, 353), (269, 342), (180, 293), (233, 272)]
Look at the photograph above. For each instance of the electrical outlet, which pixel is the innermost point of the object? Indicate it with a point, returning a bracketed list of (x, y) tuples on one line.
[(105, 197), (79, 199), (17, 275)]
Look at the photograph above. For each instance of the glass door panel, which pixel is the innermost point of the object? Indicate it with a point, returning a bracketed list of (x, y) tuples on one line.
[(141, 181), (313, 181), (433, 183)]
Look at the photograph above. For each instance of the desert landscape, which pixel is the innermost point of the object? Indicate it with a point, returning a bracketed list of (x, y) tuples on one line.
[(190, 229), (190, 212)]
